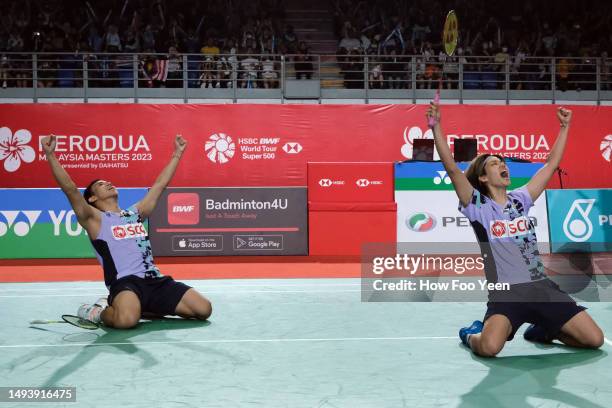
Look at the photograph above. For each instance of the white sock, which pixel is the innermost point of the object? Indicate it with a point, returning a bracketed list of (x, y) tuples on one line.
[(92, 313), (468, 340)]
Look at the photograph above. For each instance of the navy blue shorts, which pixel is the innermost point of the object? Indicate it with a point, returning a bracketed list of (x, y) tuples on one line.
[(546, 306), (158, 296)]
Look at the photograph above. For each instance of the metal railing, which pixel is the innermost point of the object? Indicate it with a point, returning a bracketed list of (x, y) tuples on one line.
[(188, 76)]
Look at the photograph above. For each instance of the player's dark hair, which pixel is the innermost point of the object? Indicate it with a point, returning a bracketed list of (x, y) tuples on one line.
[(477, 169), (88, 192)]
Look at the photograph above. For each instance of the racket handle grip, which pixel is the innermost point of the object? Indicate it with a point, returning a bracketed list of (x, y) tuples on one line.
[(432, 121)]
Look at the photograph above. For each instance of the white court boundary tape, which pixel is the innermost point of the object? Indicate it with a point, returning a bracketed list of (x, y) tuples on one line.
[(204, 292), (229, 341), (204, 287)]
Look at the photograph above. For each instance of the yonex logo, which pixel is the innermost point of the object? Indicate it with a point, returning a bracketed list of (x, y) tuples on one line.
[(292, 148), (220, 148), (421, 222), (14, 148), (606, 148), (442, 177), (20, 228)]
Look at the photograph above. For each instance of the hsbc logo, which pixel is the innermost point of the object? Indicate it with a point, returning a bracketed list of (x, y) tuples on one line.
[(128, 231), (183, 208), (365, 183), (329, 183), (292, 148), (508, 229)]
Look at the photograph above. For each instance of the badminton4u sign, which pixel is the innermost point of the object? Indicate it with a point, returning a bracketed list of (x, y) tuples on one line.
[(269, 145), (230, 221)]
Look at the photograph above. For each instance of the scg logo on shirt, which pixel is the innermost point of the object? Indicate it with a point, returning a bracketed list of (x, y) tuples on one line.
[(505, 228), (129, 231)]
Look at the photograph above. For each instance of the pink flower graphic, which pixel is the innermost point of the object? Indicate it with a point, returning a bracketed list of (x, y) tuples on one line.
[(14, 148)]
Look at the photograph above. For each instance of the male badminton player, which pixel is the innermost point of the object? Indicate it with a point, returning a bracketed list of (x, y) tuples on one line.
[(508, 243), (122, 246)]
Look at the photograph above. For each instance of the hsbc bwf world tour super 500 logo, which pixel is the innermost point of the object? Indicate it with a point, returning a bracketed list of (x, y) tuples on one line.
[(220, 148)]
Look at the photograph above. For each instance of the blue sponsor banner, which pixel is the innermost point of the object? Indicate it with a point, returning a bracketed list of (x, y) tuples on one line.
[(429, 169), (580, 220), (40, 223)]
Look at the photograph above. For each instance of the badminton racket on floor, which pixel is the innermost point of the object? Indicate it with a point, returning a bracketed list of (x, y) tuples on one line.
[(450, 38), (70, 319)]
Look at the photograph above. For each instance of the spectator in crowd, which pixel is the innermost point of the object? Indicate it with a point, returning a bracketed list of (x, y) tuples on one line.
[(209, 77), (376, 78), (349, 42), (269, 74), (249, 69), (210, 48), (303, 62), (226, 68), (290, 39), (4, 71), (175, 69), (112, 41), (564, 67)]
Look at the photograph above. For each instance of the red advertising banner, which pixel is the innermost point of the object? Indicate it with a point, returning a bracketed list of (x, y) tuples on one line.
[(350, 182), (269, 145)]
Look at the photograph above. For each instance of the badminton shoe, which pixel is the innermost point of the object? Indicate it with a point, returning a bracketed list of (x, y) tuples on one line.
[(537, 334), (466, 332)]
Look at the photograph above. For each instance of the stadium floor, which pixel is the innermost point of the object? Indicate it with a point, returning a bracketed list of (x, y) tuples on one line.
[(288, 343)]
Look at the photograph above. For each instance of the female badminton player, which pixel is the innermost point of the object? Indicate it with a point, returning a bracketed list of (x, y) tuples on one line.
[(508, 244), (122, 246)]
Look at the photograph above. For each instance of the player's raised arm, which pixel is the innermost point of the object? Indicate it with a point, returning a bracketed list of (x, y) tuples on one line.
[(85, 213), (148, 203), (538, 182), (462, 186)]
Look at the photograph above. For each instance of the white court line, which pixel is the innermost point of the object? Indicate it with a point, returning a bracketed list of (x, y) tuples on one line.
[(228, 285), (204, 292), (608, 342), (226, 341)]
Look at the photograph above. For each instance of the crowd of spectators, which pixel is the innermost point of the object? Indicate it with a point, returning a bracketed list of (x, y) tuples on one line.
[(237, 43), (224, 42), (517, 38)]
